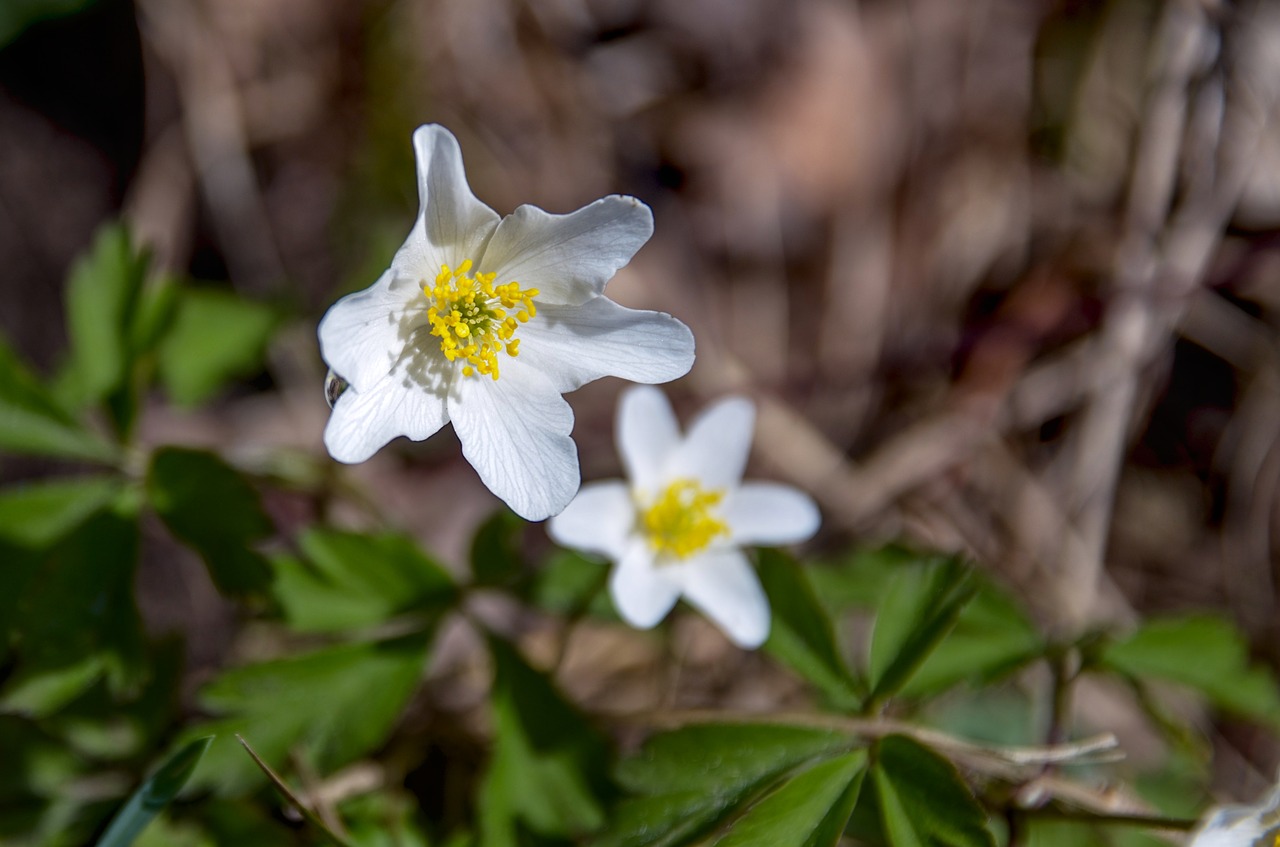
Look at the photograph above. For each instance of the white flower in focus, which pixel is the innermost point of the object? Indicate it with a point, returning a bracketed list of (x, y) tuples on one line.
[(677, 525), (485, 322), (1242, 826)]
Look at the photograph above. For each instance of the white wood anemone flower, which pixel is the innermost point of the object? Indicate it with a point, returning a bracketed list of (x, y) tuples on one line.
[(1242, 826), (676, 526), (486, 321)]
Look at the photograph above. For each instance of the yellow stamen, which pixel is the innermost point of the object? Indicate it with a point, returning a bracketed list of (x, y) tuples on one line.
[(468, 313), (682, 520)]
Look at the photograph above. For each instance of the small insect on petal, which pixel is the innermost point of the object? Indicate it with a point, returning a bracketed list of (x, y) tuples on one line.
[(334, 385)]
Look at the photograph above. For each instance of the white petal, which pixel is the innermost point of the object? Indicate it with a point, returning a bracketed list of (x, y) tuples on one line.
[(647, 433), (574, 345), (403, 403), (641, 592), (452, 224), (723, 587), (568, 258), (769, 513), (515, 433), (363, 335), (716, 448), (599, 520)]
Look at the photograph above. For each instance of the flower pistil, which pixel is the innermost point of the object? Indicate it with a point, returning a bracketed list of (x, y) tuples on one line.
[(682, 520), (474, 319)]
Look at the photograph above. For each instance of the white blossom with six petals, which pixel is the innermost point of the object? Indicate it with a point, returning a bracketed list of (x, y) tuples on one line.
[(485, 322), (676, 526)]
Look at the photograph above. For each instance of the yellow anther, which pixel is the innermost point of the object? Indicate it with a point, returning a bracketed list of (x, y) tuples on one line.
[(468, 313), (682, 521)]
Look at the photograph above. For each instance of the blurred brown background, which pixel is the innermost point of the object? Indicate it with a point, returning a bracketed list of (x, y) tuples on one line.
[(1003, 275)]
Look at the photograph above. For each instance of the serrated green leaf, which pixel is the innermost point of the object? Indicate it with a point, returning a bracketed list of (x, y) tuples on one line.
[(215, 337), (686, 782), (210, 507), (917, 613), (922, 800), (102, 293), (338, 702), (549, 766), (355, 580), (1204, 653), (37, 514), (991, 637), (809, 810), (801, 635), (154, 794), (495, 554), (32, 422), (79, 603)]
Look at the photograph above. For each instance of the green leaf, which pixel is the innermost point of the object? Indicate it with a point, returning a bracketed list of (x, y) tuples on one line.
[(76, 606), (922, 800), (801, 635), (1205, 653), (495, 550), (549, 767), (810, 810), (37, 514), (208, 505), (34, 762), (32, 422), (991, 637), (688, 781), (102, 293), (861, 579), (354, 580), (338, 702), (215, 336), (569, 583), (154, 794), (917, 613)]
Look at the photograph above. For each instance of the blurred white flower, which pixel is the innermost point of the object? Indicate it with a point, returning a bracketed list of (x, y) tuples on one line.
[(676, 526), (485, 322), (1242, 826)]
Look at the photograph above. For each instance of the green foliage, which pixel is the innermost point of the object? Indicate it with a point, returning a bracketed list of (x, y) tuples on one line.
[(991, 637), (922, 800), (548, 770), (33, 422), (335, 636), (76, 619), (103, 294), (338, 703), (919, 610), (1204, 653), (802, 635), (687, 782), (350, 580), (37, 514), (810, 810), (215, 336), (569, 583), (153, 795), (209, 506), (495, 551)]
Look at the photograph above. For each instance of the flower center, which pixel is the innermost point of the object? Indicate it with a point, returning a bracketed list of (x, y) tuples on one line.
[(682, 521), (474, 319)]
